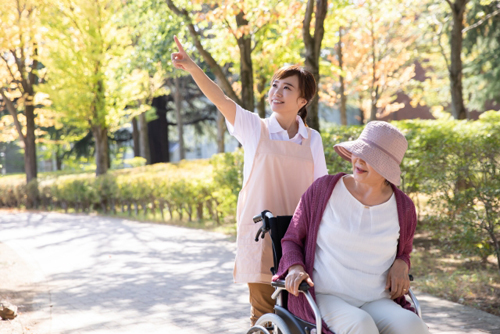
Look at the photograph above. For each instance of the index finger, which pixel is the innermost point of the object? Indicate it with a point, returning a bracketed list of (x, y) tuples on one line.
[(179, 45)]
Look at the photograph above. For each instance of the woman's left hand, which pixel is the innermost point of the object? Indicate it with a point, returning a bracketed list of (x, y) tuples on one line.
[(398, 282)]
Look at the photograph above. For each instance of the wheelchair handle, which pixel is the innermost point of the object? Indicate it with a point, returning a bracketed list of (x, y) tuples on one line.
[(304, 286), (264, 216)]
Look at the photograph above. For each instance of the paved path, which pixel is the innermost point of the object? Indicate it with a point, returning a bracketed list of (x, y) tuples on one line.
[(89, 274)]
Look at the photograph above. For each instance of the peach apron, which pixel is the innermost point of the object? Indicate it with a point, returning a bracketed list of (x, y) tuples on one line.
[(281, 172)]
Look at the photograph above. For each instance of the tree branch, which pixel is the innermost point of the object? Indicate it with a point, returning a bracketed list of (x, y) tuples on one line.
[(440, 33), (308, 40), (230, 29), (10, 70), (13, 112), (212, 63), (20, 68), (319, 29), (477, 24)]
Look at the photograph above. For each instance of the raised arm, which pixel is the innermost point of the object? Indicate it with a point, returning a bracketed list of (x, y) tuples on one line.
[(211, 90)]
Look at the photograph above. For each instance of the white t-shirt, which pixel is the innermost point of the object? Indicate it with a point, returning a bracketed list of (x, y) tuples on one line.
[(246, 130), (356, 247)]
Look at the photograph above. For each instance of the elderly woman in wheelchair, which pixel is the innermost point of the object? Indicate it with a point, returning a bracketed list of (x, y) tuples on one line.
[(350, 240)]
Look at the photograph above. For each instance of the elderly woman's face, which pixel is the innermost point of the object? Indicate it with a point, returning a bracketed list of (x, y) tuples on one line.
[(363, 172)]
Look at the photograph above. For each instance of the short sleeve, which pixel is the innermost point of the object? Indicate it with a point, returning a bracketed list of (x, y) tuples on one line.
[(318, 155), (246, 128)]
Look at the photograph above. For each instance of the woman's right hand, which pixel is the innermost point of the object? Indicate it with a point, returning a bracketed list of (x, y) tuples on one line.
[(181, 59), (296, 274)]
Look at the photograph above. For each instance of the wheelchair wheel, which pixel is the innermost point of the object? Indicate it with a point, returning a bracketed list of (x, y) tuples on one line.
[(258, 330), (269, 323)]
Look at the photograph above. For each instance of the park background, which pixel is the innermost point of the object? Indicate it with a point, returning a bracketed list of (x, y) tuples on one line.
[(94, 119)]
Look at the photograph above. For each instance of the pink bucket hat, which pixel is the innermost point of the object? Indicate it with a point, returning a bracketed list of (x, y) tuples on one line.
[(381, 145)]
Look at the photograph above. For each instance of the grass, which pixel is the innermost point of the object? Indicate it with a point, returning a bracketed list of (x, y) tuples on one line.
[(451, 276)]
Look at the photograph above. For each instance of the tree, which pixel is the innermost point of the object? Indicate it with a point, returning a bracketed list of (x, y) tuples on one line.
[(277, 43), (84, 55), (214, 66), (455, 66), (254, 28), (312, 45), (20, 40), (377, 57), (152, 37), (457, 61), (481, 47)]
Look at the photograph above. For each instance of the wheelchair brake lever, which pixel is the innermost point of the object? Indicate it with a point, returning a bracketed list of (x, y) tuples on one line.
[(258, 234)]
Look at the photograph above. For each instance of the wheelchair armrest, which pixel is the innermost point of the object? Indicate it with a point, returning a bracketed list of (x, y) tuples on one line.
[(281, 284)]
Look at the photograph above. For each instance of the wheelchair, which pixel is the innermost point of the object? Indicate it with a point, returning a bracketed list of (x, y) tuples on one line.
[(282, 321)]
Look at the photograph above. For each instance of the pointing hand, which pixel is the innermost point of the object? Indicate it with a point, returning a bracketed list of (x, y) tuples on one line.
[(181, 59)]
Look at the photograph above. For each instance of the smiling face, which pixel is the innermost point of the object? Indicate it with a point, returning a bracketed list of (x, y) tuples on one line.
[(364, 173), (285, 95)]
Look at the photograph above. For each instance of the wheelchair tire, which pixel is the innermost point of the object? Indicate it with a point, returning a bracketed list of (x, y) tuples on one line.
[(278, 325), (258, 330)]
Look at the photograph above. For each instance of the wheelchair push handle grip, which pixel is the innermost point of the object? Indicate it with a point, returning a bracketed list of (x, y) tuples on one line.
[(264, 217), (304, 286)]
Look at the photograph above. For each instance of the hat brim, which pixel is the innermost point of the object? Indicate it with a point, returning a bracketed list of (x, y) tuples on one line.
[(383, 164)]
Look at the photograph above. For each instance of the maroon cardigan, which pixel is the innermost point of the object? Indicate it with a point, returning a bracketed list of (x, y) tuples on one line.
[(299, 242)]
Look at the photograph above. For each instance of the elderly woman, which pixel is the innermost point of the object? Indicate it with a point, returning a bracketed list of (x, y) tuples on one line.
[(352, 236)]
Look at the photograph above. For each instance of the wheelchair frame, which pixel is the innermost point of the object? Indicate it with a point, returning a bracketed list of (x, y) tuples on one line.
[(282, 321)]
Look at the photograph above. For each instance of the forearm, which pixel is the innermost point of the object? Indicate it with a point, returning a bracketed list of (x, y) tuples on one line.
[(214, 93)]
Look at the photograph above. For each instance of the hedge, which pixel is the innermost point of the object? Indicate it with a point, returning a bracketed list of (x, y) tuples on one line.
[(455, 164), (189, 189)]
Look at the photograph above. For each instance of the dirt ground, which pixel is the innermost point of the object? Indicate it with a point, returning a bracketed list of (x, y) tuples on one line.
[(461, 279), (18, 288)]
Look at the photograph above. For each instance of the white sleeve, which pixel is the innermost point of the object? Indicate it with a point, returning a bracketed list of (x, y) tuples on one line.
[(246, 128), (318, 155)]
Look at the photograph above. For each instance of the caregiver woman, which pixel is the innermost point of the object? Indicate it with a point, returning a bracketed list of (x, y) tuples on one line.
[(352, 236), (282, 158)]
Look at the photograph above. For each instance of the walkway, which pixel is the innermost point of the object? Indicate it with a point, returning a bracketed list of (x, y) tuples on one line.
[(89, 274)]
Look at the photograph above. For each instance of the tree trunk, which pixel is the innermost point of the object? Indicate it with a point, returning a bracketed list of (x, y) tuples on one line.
[(143, 138), (28, 140), (221, 130), (30, 166), (246, 68), (361, 111), (374, 88), (101, 149), (312, 50), (199, 211), (455, 70), (59, 157), (135, 137), (178, 116), (30, 145), (343, 100), (261, 103)]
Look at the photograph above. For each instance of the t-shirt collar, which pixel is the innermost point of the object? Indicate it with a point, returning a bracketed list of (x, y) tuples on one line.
[(275, 127)]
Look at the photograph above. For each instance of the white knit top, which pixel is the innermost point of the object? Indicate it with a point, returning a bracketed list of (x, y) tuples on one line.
[(356, 246)]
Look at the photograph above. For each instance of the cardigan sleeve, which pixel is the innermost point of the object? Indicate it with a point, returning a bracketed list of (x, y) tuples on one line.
[(406, 238)]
